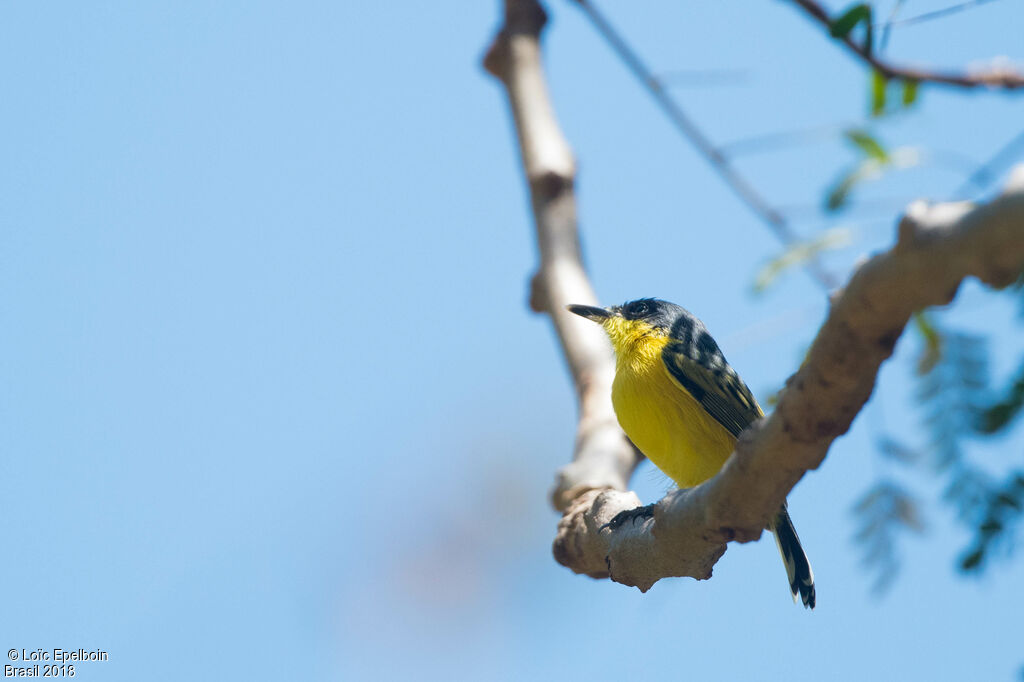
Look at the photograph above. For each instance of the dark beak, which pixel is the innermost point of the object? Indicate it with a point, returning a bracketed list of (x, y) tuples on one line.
[(590, 312)]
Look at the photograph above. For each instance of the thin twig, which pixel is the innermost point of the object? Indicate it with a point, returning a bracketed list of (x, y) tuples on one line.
[(938, 245), (937, 14), (883, 42), (878, 206), (999, 77), (714, 156), (783, 139), (984, 174), (688, 531)]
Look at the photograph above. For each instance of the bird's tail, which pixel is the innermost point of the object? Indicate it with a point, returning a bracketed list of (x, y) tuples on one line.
[(798, 568)]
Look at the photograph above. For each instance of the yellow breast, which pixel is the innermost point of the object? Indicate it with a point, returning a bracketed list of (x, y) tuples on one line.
[(664, 420)]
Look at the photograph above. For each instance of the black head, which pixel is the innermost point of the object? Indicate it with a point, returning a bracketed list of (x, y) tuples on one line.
[(655, 312)]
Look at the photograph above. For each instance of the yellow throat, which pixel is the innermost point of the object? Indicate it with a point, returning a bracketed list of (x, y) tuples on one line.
[(660, 416)]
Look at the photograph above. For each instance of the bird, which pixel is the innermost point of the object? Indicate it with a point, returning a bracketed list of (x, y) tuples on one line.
[(682, 405)]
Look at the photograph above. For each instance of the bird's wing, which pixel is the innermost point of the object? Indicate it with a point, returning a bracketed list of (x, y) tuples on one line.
[(701, 369)]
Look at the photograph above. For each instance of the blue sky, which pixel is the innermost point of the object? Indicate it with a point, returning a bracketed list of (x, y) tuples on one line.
[(273, 405)]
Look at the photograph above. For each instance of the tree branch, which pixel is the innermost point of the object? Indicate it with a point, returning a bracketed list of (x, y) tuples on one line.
[(938, 246), (603, 457), (996, 77), (715, 156)]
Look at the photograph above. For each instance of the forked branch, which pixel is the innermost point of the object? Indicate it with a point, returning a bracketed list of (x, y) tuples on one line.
[(603, 457), (937, 247), (996, 77)]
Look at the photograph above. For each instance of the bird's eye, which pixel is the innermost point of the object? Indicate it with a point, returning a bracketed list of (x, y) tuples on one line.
[(639, 308)]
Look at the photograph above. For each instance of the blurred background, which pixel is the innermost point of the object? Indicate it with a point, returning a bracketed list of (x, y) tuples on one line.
[(273, 405)]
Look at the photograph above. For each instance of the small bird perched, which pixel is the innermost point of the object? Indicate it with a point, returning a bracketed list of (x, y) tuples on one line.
[(683, 406)]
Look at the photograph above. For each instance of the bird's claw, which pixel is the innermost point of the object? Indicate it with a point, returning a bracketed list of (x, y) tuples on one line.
[(631, 515)]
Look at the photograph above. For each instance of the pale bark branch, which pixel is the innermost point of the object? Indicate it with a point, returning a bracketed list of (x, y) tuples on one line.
[(603, 457), (938, 246), (997, 77)]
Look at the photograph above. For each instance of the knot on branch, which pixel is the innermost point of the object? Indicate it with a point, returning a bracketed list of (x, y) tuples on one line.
[(522, 17), (549, 183), (539, 301)]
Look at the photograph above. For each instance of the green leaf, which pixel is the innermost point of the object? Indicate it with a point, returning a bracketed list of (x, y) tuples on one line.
[(798, 254), (991, 527), (1005, 500), (972, 560), (848, 20), (897, 451), (867, 144), (878, 87), (905, 511), (839, 195), (909, 92), (871, 167), (840, 192), (932, 351), (997, 416)]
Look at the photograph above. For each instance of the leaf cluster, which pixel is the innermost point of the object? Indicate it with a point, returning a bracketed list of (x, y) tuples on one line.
[(957, 405)]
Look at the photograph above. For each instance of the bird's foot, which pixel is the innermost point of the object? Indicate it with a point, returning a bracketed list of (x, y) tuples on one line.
[(631, 515)]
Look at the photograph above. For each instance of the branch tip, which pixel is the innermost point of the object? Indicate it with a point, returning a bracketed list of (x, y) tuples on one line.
[(937, 247), (996, 77)]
